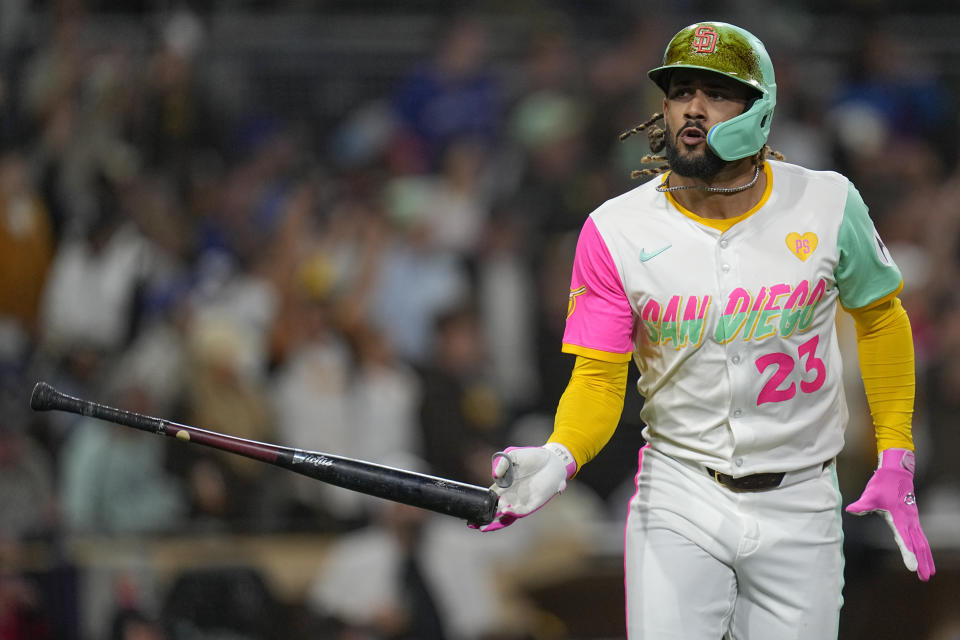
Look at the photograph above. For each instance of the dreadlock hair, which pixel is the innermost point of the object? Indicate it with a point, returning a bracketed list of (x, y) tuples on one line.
[(657, 138)]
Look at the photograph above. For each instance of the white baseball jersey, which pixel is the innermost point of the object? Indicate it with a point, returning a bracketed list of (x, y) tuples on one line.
[(733, 332)]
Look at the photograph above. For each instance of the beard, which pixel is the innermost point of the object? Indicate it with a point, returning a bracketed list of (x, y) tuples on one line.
[(704, 166)]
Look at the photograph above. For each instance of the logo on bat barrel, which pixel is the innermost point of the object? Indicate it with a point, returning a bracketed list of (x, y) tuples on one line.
[(311, 459)]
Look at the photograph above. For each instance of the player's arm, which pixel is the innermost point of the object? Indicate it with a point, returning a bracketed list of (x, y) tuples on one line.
[(599, 332), (885, 352), (590, 407), (869, 282)]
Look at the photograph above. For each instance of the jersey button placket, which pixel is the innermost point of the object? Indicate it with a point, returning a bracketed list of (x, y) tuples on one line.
[(723, 255), (725, 263)]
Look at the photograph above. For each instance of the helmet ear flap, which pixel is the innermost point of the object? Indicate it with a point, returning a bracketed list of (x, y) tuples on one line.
[(745, 134)]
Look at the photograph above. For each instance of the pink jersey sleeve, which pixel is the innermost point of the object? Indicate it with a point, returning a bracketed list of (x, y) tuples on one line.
[(599, 315)]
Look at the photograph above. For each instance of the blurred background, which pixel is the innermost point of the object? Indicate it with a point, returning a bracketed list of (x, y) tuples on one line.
[(348, 226)]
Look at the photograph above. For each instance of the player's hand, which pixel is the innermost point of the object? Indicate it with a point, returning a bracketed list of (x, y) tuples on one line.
[(890, 493), (526, 478)]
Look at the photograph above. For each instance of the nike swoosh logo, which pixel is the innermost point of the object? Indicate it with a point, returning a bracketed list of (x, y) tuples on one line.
[(649, 255)]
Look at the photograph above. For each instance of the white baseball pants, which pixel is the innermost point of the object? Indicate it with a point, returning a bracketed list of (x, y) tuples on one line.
[(702, 561)]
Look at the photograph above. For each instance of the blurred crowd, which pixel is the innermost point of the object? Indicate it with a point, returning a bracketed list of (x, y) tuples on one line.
[(388, 284)]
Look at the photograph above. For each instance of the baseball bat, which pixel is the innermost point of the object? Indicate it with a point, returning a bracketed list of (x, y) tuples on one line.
[(477, 505)]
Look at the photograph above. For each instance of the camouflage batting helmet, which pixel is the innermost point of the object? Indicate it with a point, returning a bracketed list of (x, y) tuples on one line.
[(735, 53)]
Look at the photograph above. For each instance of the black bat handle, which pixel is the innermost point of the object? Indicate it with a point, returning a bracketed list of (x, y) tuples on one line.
[(46, 398)]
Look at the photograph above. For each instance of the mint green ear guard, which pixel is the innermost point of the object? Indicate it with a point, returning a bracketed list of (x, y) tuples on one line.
[(745, 134)]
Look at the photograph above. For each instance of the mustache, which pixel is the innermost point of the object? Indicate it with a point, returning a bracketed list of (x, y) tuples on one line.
[(691, 124)]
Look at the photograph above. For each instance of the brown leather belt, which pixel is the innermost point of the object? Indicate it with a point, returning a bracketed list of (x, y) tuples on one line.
[(753, 482)]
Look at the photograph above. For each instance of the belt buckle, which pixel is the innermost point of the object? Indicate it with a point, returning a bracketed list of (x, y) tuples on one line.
[(716, 477)]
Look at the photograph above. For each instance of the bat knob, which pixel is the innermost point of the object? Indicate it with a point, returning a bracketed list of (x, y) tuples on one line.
[(41, 399), (504, 479)]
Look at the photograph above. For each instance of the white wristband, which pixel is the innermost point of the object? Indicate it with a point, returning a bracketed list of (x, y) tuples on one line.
[(569, 462)]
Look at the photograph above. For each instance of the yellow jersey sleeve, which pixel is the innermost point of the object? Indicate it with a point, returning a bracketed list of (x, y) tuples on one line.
[(589, 409), (885, 352)]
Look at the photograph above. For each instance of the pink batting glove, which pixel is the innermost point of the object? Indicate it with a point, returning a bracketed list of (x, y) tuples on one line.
[(526, 478), (890, 493)]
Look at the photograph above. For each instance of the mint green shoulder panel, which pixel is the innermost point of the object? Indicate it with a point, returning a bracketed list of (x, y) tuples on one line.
[(865, 271)]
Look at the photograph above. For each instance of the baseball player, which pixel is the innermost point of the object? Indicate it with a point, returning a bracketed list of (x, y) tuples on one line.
[(721, 278)]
